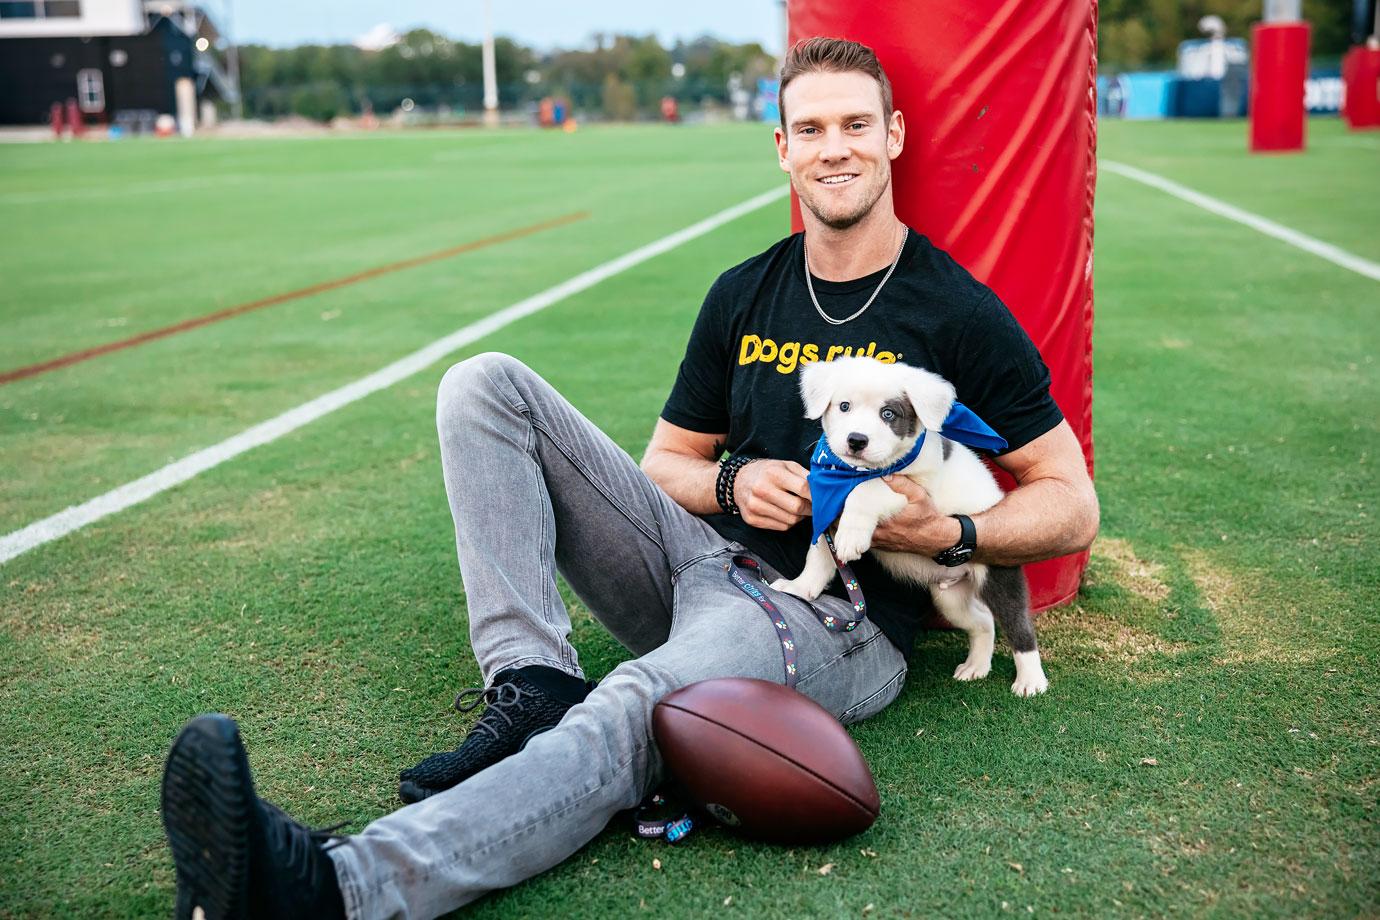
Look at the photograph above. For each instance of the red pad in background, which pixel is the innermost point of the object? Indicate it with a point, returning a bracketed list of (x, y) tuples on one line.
[(999, 168), (1279, 68), (1361, 98)]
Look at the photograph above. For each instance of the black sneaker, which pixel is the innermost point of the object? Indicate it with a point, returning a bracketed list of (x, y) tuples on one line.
[(518, 709), (238, 856)]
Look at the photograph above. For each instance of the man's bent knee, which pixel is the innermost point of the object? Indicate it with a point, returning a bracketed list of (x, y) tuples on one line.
[(471, 384), (477, 375)]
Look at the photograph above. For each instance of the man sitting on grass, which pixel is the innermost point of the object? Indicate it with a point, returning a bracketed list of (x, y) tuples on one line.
[(535, 488)]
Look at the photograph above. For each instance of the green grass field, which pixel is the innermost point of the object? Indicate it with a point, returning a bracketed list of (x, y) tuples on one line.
[(1211, 741)]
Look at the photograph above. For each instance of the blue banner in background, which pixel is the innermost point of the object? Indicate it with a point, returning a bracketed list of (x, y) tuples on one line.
[(1322, 91), (1166, 94), (767, 101), (1147, 95)]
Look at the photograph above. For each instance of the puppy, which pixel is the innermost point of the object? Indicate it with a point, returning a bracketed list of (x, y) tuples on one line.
[(873, 414)]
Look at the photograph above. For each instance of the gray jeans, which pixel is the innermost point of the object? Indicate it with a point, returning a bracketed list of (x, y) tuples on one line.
[(535, 488)]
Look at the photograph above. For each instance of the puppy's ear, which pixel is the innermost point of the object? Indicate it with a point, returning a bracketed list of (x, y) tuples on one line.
[(817, 387), (931, 395)]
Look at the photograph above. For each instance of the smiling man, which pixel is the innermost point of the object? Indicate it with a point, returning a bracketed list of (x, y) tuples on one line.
[(535, 488)]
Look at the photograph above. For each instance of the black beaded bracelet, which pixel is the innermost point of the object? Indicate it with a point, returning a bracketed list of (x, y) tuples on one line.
[(721, 484), (728, 475)]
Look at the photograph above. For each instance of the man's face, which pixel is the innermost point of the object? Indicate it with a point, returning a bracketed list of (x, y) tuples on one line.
[(838, 145)]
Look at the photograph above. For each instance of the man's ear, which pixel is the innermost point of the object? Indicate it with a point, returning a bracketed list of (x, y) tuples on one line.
[(931, 395), (895, 135), (817, 387)]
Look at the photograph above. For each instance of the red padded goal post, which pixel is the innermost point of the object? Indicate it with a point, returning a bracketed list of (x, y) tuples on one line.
[(999, 168)]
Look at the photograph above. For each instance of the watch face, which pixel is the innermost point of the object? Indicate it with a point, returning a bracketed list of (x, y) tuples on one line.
[(954, 555)]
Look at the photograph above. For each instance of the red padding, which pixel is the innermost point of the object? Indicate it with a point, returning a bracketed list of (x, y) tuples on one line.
[(1361, 77), (999, 167), (1279, 68)]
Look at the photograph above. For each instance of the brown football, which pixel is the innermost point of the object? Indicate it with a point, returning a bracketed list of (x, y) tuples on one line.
[(766, 760)]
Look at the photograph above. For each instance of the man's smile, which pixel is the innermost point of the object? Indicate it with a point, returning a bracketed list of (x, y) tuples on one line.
[(838, 178)]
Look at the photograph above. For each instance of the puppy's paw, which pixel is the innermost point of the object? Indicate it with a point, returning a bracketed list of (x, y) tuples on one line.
[(973, 670), (1030, 685), (1030, 675), (851, 542), (796, 588)]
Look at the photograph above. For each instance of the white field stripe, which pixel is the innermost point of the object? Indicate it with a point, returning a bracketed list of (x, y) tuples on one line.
[(78, 516), (1307, 243)]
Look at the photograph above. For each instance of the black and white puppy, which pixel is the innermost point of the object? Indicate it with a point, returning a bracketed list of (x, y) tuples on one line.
[(873, 414)]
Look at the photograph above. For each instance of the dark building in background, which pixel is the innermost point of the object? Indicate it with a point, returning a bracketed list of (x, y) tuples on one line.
[(121, 60)]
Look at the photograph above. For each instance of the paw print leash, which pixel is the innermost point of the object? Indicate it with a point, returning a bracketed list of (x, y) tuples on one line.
[(746, 574)]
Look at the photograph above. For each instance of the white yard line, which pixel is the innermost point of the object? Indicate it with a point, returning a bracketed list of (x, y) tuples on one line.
[(1268, 227), (78, 516)]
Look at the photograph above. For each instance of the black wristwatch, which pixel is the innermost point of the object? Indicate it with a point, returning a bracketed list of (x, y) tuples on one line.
[(961, 551)]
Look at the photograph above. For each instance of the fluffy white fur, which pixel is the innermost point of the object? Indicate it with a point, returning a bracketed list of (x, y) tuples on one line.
[(852, 396)]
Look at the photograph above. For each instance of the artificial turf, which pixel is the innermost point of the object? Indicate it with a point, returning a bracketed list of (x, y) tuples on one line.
[(1209, 745)]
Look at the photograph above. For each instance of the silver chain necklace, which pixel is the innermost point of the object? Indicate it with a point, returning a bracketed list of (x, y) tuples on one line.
[(815, 300)]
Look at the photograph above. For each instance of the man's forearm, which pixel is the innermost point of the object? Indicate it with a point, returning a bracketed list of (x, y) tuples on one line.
[(688, 480), (1052, 512), (1040, 520), (770, 494)]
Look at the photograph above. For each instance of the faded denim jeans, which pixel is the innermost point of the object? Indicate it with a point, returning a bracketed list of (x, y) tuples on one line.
[(535, 488)]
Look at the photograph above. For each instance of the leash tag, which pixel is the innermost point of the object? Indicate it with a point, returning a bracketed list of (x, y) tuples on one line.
[(676, 831)]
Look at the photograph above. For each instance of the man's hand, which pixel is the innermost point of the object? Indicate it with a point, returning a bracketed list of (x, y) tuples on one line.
[(772, 494), (917, 528)]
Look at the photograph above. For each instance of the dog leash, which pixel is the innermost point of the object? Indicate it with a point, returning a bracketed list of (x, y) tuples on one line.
[(746, 564)]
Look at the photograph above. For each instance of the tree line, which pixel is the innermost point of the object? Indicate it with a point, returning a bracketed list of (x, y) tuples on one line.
[(625, 76), (1136, 34), (620, 76)]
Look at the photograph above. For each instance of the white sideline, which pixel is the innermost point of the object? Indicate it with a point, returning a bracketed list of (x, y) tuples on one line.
[(131, 493), (1268, 227)]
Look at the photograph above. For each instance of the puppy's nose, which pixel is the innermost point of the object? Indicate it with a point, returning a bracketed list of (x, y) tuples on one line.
[(857, 442)]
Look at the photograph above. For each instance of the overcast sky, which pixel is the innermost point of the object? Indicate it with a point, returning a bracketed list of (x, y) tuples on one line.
[(542, 24)]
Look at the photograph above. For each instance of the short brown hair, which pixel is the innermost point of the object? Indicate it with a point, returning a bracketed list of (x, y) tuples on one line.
[(831, 55)]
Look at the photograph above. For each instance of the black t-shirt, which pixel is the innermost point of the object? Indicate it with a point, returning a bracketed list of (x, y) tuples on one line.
[(757, 327)]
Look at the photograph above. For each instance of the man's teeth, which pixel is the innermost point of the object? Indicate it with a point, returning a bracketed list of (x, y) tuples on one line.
[(835, 180)]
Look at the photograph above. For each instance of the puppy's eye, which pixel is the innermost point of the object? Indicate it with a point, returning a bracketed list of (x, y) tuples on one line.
[(843, 407), (888, 415)]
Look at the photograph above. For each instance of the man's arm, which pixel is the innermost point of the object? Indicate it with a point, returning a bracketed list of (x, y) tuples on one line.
[(685, 464), (1052, 511), (772, 494)]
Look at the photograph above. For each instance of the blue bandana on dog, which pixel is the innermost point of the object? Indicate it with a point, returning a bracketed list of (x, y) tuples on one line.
[(831, 479)]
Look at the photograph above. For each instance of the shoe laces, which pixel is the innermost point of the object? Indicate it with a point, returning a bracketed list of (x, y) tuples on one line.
[(501, 699), (299, 844)]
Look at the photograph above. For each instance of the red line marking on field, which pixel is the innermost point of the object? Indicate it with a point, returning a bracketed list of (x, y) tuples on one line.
[(89, 353)]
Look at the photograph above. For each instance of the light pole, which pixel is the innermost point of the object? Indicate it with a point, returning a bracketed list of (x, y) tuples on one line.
[(232, 63), (490, 77)]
